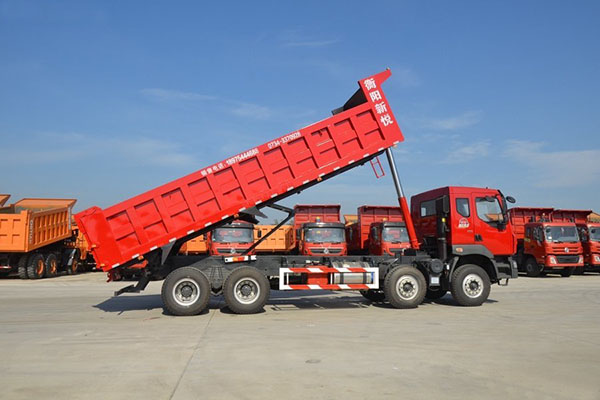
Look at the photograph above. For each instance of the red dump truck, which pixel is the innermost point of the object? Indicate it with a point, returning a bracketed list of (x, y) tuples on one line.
[(153, 225), (545, 245), (589, 234), (378, 230), (318, 230), (37, 239)]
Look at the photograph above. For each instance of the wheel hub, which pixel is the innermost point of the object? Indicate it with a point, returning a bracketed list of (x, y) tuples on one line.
[(407, 287), (473, 285), (186, 292), (246, 290)]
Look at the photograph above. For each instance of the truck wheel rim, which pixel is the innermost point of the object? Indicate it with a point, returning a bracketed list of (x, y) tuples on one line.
[(407, 287), (40, 267), (53, 266), (473, 285), (186, 292), (246, 290)]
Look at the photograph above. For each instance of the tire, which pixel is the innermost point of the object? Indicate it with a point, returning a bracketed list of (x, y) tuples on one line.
[(185, 291), (51, 265), (246, 290), (470, 285), (578, 271), (532, 268), (433, 294), (405, 287), (566, 272), (22, 266), (373, 295), (73, 269), (36, 266)]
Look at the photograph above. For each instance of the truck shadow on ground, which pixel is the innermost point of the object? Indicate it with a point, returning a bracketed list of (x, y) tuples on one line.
[(278, 301)]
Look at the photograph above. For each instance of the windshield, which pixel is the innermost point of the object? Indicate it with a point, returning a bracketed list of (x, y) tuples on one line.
[(324, 235), (595, 234), (233, 235), (560, 234), (395, 234)]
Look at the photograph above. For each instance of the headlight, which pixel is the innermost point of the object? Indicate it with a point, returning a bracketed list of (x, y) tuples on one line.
[(552, 259), (580, 259), (596, 258)]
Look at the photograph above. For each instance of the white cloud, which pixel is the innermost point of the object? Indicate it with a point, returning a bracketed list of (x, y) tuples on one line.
[(138, 150), (250, 110), (554, 169), (171, 95), (461, 121), (461, 153)]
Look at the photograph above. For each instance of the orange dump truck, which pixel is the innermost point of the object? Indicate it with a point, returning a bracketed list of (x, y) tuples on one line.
[(36, 237)]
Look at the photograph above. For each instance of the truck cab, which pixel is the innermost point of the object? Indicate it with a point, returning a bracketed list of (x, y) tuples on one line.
[(590, 240), (230, 239), (322, 238), (552, 246), (388, 238), (466, 225)]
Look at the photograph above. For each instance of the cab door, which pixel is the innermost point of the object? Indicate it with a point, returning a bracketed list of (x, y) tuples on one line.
[(490, 227)]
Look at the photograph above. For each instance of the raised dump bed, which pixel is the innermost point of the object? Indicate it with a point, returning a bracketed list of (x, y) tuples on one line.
[(177, 211)]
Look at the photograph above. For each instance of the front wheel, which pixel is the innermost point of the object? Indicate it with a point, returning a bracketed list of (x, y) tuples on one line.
[(405, 287), (185, 291), (246, 290), (470, 285), (566, 272), (532, 268)]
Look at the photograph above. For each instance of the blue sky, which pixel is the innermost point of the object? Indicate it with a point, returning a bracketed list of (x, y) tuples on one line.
[(103, 100)]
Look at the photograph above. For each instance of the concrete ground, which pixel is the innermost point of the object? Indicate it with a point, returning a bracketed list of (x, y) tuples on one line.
[(66, 337)]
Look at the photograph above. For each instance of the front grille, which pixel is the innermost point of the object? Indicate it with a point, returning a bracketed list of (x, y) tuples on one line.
[(567, 259), (322, 251), (225, 251)]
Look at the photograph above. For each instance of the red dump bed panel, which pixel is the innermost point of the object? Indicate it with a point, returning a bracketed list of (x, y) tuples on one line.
[(315, 213), (366, 216), (519, 216), (576, 216), (177, 209)]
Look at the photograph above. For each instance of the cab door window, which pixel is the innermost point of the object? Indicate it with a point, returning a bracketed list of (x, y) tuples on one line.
[(489, 210), (462, 207)]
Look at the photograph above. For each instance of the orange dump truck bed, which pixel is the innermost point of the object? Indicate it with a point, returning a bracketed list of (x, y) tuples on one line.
[(195, 246), (33, 223), (281, 241)]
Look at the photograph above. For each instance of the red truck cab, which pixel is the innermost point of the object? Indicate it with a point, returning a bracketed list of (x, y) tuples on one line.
[(230, 239), (378, 230), (318, 230), (589, 235), (545, 244), (467, 227)]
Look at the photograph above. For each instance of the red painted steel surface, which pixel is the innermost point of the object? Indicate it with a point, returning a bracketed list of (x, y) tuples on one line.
[(194, 202), (368, 215), (315, 213), (576, 216), (519, 216)]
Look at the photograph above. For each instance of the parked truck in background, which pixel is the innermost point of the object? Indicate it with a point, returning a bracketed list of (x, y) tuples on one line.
[(545, 245), (319, 230), (589, 235), (378, 230), (153, 225), (37, 239)]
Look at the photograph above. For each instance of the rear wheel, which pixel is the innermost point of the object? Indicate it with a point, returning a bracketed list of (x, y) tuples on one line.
[(405, 287), (36, 266), (532, 268), (470, 285), (51, 265), (22, 266), (246, 290), (74, 267), (566, 272), (185, 291), (373, 295), (435, 293)]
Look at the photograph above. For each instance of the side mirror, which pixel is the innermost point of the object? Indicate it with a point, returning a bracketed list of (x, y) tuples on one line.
[(446, 205), (511, 199)]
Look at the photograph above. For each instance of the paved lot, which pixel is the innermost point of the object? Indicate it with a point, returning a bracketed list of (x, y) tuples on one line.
[(67, 338)]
